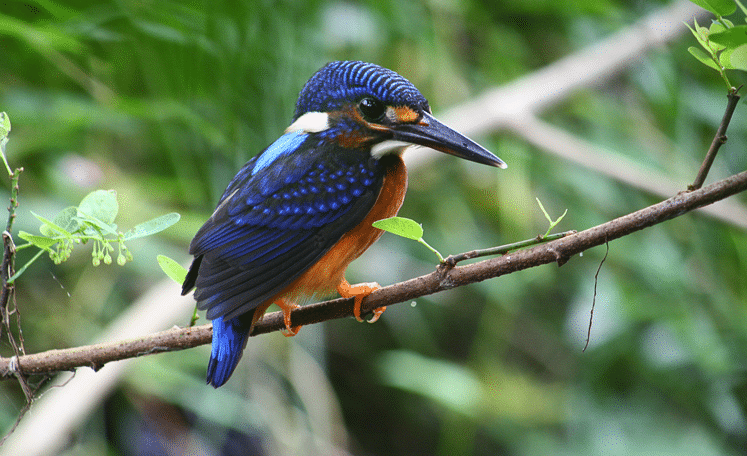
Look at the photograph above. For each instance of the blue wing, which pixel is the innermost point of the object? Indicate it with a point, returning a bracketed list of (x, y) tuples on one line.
[(281, 213)]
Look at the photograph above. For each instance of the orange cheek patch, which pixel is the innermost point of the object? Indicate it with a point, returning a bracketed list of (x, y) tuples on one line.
[(405, 114), (353, 140)]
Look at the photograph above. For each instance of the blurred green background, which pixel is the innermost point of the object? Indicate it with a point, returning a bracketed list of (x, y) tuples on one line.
[(164, 100)]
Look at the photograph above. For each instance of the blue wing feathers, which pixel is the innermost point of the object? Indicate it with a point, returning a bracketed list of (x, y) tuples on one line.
[(285, 144), (256, 243)]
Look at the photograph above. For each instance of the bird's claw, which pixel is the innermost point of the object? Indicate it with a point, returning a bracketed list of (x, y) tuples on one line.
[(288, 307), (376, 314), (358, 292)]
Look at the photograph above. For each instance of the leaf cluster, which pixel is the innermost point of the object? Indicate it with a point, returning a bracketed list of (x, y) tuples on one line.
[(724, 45), (92, 220)]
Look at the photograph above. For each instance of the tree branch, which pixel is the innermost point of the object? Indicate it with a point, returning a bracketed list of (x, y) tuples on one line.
[(718, 140), (444, 278)]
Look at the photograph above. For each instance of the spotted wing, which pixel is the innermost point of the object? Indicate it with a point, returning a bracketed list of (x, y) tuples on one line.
[(278, 217)]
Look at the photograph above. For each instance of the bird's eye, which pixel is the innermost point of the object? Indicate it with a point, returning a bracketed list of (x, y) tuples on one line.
[(372, 109)]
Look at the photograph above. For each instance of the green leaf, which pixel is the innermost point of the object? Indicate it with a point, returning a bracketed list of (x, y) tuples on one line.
[(67, 219), (101, 205), (735, 59), (717, 7), (700, 33), (42, 242), (171, 268), (4, 125), (401, 226), (49, 228), (733, 37), (703, 58), (153, 226), (102, 227)]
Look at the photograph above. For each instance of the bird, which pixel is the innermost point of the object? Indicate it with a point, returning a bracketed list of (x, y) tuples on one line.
[(297, 214)]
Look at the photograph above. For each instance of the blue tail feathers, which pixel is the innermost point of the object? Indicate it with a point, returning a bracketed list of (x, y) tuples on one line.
[(229, 340)]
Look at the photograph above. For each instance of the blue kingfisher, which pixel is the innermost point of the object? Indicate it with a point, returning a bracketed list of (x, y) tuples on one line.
[(296, 215)]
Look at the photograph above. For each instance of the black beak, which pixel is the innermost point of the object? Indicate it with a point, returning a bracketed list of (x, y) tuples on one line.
[(431, 133)]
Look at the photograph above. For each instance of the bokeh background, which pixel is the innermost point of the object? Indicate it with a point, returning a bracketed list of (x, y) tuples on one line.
[(163, 100)]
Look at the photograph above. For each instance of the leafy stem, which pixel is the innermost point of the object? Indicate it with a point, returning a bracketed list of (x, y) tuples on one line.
[(553, 223)]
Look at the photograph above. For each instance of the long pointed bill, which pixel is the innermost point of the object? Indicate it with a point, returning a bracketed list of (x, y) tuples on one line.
[(431, 133)]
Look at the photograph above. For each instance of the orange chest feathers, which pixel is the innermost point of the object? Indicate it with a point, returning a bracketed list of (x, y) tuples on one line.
[(323, 278)]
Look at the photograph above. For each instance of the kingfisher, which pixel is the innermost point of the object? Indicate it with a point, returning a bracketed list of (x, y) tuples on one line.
[(296, 215)]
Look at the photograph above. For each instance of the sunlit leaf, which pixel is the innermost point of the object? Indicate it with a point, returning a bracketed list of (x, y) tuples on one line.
[(40, 241), (67, 219), (50, 228), (697, 32), (153, 226), (101, 205), (736, 58), (732, 37), (171, 268), (703, 57), (717, 7), (4, 125), (109, 228), (401, 226)]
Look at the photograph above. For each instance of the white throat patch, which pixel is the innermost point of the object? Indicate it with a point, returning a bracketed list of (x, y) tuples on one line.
[(311, 122), (389, 146)]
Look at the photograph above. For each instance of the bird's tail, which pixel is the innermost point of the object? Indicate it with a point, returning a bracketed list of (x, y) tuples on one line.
[(229, 340)]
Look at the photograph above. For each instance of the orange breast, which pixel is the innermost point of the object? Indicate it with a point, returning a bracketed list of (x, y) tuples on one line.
[(322, 278)]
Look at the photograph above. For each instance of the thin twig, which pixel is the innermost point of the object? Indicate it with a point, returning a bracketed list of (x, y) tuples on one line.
[(594, 298), (718, 140), (452, 260), (557, 251)]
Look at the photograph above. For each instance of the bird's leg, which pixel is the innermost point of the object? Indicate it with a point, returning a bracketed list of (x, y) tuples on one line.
[(360, 291), (287, 307)]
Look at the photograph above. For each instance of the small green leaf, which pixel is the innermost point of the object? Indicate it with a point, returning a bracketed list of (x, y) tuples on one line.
[(735, 59), (101, 205), (102, 227), (4, 125), (703, 58), (67, 219), (401, 226), (50, 229), (701, 39), (171, 268), (553, 223), (153, 226), (42, 242), (732, 37), (717, 7)]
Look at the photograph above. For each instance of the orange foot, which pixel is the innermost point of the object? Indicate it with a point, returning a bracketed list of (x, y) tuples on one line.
[(360, 291), (287, 307)]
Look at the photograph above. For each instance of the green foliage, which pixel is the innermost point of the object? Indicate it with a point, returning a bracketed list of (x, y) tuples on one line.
[(717, 7), (401, 226), (553, 223), (4, 128), (4, 131), (724, 45), (406, 228), (92, 220), (172, 269)]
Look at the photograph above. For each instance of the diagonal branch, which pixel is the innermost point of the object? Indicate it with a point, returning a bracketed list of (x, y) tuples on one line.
[(558, 251), (718, 140)]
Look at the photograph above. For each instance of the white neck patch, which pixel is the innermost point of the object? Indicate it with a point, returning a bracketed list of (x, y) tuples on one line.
[(389, 146), (311, 122)]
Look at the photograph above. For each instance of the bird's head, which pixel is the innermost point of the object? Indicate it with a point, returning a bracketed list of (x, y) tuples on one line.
[(362, 105)]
